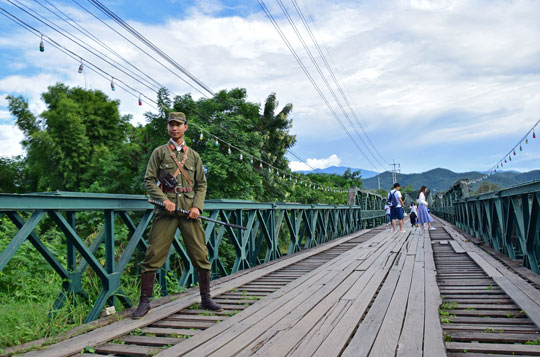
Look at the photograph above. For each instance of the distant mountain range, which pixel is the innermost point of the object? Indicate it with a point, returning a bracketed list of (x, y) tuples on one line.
[(437, 179), (441, 179), (340, 170)]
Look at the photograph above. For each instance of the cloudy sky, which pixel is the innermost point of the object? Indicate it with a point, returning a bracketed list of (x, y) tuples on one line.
[(452, 84)]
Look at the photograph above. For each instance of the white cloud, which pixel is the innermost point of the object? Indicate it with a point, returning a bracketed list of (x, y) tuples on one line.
[(439, 68), (10, 137), (332, 160)]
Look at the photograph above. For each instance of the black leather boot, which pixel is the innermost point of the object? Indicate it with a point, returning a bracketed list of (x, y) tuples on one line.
[(147, 288), (204, 288)]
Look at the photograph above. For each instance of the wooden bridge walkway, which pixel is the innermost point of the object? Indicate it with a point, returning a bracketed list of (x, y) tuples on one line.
[(372, 293)]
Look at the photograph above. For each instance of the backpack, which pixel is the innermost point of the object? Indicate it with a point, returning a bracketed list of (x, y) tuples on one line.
[(392, 200)]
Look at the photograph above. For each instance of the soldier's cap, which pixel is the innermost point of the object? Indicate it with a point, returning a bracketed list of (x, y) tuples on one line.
[(177, 117)]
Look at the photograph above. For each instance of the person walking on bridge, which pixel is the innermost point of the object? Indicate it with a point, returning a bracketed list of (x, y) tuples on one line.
[(182, 183), (396, 207), (423, 214)]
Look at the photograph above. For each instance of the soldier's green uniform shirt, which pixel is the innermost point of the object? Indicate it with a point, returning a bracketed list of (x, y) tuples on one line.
[(165, 223)]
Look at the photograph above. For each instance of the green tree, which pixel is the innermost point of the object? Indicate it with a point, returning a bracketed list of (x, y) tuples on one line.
[(70, 142), (487, 186), (13, 178)]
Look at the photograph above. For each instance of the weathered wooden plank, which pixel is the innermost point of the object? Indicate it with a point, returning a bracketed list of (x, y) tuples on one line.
[(258, 334), (130, 350), (433, 335), (530, 350), (486, 327), (163, 331), (486, 267), (285, 339), (183, 324), (493, 337), (528, 305), (525, 296), (151, 340), (503, 307), (239, 323), (365, 335), (190, 317), (490, 313), (92, 338), (295, 326), (298, 290), (488, 320), (337, 339), (467, 354), (388, 337), (309, 344), (456, 247), (412, 338)]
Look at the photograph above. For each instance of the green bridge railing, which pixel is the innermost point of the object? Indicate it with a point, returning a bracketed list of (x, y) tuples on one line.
[(121, 224), (508, 220)]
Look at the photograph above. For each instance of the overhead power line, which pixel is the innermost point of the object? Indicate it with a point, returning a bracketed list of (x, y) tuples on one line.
[(314, 84), (334, 78), (147, 42), (140, 49), (74, 24), (129, 89), (326, 82)]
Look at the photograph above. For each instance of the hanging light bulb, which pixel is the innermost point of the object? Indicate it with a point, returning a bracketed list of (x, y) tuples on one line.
[(241, 157), (520, 148), (514, 152), (534, 135), (269, 169), (80, 67), (41, 45), (260, 165), (140, 100), (251, 160), (510, 158), (112, 84), (505, 161), (201, 137), (229, 150)]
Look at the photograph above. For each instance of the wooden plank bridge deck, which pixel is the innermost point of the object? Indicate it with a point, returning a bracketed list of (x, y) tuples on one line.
[(372, 293)]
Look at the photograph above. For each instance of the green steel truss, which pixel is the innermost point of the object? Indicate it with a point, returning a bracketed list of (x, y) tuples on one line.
[(297, 226), (508, 220)]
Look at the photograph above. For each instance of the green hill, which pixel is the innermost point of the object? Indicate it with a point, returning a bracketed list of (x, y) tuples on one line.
[(440, 179)]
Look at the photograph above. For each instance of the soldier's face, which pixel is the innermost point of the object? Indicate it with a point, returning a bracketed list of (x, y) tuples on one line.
[(176, 130)]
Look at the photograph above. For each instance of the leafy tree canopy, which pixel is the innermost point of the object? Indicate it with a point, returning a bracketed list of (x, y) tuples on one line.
[(81, 142)]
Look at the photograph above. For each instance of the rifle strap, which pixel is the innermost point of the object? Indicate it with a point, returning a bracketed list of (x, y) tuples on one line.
[(180, 165)]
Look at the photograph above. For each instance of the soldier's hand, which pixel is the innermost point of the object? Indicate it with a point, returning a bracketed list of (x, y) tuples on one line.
[(169, 206), (194, 213)]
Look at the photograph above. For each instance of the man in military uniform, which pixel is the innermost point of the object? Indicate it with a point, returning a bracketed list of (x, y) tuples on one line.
[(187, 191)]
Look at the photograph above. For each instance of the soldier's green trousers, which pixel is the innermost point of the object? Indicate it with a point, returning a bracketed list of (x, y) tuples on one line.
[(161, 237)]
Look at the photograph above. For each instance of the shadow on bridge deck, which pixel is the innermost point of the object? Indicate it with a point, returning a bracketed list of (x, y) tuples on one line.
[(374, 293)]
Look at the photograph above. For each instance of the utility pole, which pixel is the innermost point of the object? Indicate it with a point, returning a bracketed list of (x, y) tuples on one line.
[(396, 168)]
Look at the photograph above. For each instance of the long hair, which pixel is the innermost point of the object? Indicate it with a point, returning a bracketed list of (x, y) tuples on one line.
[(422, 189)]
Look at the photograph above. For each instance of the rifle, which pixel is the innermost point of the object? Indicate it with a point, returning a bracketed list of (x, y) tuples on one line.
[(183, 211)]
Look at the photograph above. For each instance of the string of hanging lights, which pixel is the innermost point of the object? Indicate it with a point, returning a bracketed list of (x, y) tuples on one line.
[(507, 158), (280, 173)]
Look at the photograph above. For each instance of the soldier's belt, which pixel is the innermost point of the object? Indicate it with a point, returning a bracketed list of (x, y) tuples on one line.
[(177, 189)]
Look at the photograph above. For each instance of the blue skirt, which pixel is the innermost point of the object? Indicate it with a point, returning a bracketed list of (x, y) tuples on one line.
[(423, 215)]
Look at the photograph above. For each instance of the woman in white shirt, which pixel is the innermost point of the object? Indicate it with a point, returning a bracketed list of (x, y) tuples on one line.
[(423, 215)]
